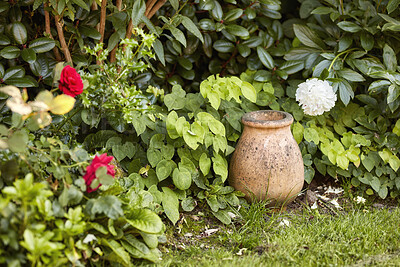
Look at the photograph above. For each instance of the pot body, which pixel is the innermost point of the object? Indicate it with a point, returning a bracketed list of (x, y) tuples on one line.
[(267, 162)]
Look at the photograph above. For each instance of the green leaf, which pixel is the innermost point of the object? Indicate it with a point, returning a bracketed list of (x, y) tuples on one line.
[(174, 4), (191, 27), (62, 104), (367, 40), (249, 91), (182, 178), (4, 40), (394, 162), (119, 251), (375, 183), (392, 5), (265, 58), (389, 58), (14, 72), (178, 34), (393, 93), (188, 204), (348, 26), (159, 49), (350, 75), (307, 36), (237, 30), (342, 161), (311, 135), (82, 4), (164, 169), (28, 55), (298, 132), (223, 216), (233, 14), (368, 163), (216, 127), (10, 52), (107, 205), (170, 204), (90, 32), (173, 101), (220, 166), (138, 10), (205, 164), (144, 220), (223, 46), (18, 142), (19, 32), (42, 45)]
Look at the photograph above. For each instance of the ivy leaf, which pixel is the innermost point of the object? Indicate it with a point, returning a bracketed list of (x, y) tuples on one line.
[(375, 183), (144, 220), (170, 204)]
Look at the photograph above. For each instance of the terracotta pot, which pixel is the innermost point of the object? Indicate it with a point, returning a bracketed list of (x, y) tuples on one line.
[(267, 162)]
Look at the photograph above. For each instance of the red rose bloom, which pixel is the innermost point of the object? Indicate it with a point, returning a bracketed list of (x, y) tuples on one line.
[(97, 162), (70, 82)]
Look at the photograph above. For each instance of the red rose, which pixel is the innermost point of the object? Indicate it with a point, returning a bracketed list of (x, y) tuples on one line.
[(70, 82), (97, 162)]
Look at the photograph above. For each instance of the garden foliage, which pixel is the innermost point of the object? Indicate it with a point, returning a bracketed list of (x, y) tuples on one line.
[(165, 86)]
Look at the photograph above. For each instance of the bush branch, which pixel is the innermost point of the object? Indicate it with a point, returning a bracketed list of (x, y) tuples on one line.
[(48, 31), (61, 37)]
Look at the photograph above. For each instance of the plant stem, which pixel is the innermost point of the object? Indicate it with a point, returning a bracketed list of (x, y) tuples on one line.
[(338, 55), (102, 24), (118, 4), (69, 117), (48, 30), (61, 37)]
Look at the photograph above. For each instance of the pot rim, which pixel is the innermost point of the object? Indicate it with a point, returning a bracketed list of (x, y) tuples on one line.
[(251, 119)]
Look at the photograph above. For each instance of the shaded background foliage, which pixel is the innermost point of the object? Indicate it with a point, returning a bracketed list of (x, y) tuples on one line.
[(164, 142)]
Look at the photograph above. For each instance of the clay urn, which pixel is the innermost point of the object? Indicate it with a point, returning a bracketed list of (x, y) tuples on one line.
[(267, 162)]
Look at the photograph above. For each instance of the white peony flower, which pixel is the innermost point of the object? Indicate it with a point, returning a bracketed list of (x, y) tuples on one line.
[(315, 96)]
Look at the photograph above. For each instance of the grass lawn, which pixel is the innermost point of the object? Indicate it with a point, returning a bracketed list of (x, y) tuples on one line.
[(351, 236)]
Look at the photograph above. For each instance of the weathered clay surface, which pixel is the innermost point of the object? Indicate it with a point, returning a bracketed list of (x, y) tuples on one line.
[(267, 162)]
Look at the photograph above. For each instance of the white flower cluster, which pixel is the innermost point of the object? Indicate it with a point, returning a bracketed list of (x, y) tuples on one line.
[(359, 200), (315, 96)]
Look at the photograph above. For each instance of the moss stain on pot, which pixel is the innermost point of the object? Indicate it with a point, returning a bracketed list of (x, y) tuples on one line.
[(267, 162)]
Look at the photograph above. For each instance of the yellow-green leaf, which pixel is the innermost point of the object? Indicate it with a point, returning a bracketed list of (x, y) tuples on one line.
[(62, 104)]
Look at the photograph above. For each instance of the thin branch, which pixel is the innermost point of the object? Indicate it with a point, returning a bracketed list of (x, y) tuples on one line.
[(156, 8), (118, 4), (102, 23), (48, 31), (129, 30), (149, 6), (61, 37)]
